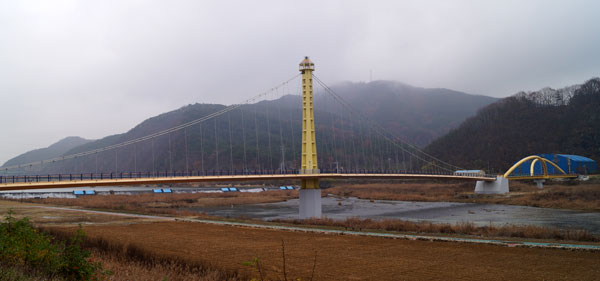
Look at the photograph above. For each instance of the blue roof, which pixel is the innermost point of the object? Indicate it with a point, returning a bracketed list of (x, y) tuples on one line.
[(576, 158)]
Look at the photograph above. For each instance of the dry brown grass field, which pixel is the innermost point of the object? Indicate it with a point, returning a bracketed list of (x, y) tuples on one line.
[(152, 249), (344, 257), (585, 196), (169, 204), (135, 262)]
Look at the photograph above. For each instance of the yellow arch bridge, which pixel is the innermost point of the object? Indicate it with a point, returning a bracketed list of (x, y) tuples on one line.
[(532, 175)]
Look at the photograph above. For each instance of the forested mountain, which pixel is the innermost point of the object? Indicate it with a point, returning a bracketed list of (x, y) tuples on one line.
[(417, 115), (548, 121)]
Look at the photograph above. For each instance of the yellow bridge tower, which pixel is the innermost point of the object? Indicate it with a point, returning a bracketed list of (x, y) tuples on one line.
[(310, 194), (309, 145)]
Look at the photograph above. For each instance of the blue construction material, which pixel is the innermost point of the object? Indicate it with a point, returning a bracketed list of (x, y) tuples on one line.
[(78, 192), (571, 164), (282, 187), (224, 189), (90, 192), (166, 190), (233, 189), (290, 187), (157, 190)]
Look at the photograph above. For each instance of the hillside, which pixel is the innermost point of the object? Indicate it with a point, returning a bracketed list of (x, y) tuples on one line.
[(547, 121), (54, 150), (418, 115)]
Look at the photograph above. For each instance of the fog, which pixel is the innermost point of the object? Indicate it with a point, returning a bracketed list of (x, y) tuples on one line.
[(95, 68)]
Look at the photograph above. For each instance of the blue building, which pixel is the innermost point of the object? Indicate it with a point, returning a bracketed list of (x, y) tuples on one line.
[(571, 164)]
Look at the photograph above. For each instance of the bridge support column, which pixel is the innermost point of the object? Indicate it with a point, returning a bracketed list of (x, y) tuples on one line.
[(310, 194), (539, 183), (310, 203), (499, 186)]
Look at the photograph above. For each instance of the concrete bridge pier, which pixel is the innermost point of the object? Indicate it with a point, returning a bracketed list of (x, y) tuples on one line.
[(499, 186), (310, 203), (539, 183)]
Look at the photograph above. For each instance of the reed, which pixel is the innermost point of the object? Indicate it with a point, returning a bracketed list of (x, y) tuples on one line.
[(554, 195), (464, 228)]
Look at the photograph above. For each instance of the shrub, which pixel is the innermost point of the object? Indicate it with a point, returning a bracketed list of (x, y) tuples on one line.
[(23, 246)]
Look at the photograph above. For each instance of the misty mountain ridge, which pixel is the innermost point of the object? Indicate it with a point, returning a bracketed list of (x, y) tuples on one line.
[(518, 126), (55, 150), (417, 115)]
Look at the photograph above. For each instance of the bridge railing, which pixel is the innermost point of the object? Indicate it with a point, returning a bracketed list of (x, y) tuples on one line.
[(524, 175), (197, 173)]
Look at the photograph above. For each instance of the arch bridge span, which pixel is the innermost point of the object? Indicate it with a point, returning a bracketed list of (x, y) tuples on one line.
[(532, 175)]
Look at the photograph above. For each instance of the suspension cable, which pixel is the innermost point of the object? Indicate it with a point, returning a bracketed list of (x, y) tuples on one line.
[(245, 166), (185, 142), (202, 148), (292, 133), (269, 135), (282, 162), (380, 130), (258, 163), (230, 144), (153, 159), (216, 145), (157, 134)]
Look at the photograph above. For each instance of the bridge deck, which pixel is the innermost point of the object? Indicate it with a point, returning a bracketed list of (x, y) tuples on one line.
[(190, 179)]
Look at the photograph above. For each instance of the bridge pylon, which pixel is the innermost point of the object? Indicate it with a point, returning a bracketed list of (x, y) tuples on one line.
[(310, 194)]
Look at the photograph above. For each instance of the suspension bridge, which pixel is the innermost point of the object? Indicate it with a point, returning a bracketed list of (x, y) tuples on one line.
[(259, 145)]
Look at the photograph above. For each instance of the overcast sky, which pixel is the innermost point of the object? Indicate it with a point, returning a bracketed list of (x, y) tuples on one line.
[(94, 68)]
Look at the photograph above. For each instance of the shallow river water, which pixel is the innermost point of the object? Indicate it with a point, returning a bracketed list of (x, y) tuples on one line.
[(444, 212)]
